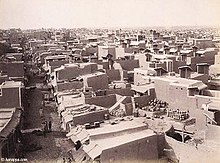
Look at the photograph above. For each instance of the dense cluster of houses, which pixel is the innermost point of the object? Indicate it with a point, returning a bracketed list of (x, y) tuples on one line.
[(107, 83)]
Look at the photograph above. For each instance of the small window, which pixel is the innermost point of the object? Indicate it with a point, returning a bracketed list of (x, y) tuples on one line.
[(87, 90)]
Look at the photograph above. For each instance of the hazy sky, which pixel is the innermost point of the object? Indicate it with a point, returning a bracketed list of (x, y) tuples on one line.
[(107, 13)]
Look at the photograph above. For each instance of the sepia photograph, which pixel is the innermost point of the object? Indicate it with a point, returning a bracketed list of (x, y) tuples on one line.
[(109, 81)]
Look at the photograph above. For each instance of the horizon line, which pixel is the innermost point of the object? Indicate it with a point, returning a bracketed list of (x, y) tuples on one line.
[(119, 27)]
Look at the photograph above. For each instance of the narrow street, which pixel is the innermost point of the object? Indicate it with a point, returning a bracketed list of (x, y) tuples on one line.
[(40, 148)]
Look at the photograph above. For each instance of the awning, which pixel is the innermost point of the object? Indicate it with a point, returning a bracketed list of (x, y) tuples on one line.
[(161, 50), (185, 67), (93, 150), (172, 50), (81, 136), (74, 138), (200, 52), (142, 89), (68, 118), (200, 86), (185, 51), (13, 123), (161, 68)]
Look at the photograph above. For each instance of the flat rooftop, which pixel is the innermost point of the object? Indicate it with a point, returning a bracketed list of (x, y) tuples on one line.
[(109, 128), (56, 57), (177, 81), (111, 142), (11, 84), (142, 88), (96, 146), (92, 74)]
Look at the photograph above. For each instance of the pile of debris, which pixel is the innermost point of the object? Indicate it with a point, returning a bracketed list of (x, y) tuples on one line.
[(157, 105), (118, 112), (177, 114)]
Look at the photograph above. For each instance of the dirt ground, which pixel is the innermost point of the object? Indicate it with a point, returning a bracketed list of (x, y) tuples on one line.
[(49, 146)]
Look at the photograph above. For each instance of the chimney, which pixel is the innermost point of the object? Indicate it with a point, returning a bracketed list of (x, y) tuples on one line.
[(128, 43), (195, 49), (203, 68), (185, 71), (179, 47)]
